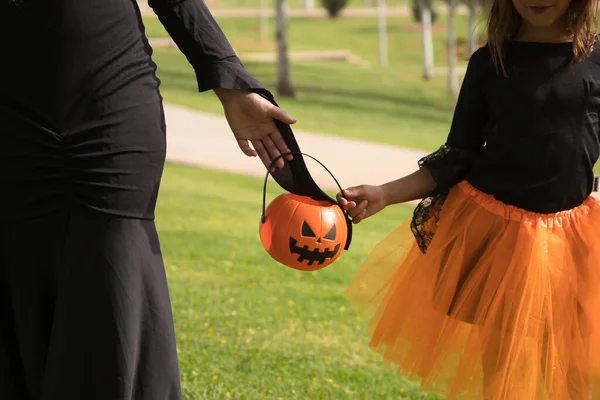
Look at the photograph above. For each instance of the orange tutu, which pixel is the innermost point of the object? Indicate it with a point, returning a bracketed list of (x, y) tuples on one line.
[(505, 304)]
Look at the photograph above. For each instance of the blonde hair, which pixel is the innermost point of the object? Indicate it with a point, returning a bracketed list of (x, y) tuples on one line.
[(504, 23)]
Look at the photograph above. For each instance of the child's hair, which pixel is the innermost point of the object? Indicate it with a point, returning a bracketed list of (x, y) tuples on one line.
[(504, 23)]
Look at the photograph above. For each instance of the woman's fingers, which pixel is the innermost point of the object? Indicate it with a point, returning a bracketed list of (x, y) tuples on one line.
[(355, 211)]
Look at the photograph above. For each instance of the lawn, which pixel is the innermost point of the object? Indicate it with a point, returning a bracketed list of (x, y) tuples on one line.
[(389, 105), (249, 328)]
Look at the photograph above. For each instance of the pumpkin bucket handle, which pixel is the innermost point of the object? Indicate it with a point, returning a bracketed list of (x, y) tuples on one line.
[(264, 200)]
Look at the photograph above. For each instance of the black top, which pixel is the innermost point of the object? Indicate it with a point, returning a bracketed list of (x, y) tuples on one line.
[(81, 115), (531, 139), (69, 49)]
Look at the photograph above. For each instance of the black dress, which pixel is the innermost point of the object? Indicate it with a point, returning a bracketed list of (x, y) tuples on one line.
[(84, 304)]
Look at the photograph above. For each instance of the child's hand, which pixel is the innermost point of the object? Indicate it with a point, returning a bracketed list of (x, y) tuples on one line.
[(362, 201)]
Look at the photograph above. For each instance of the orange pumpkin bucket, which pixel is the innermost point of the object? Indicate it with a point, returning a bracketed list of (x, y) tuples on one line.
[(303, 233)]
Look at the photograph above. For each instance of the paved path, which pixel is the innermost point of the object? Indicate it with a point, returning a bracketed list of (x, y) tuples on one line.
[(201, 139)]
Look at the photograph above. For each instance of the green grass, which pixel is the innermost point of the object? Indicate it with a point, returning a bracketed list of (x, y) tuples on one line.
[(248, 328), (388, 105)]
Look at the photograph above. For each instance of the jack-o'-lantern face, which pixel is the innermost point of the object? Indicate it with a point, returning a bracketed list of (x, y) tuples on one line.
[(302, 233), (316, 247)]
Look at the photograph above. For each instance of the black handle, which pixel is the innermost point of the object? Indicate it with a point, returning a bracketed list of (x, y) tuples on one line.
[(262, 218), (264, 201)]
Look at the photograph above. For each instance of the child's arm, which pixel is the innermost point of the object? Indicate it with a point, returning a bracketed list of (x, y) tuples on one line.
[(365, 200), (442, 169), (415, 186)]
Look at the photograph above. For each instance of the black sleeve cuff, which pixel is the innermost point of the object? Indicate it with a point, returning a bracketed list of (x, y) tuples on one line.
[(226, 74), (448, 166)]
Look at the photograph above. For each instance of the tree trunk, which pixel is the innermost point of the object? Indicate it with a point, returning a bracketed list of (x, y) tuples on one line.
[(427, 41), (452, 78), (284, 81), (474, 37), (308, 4), (381, 18), (263, 21)]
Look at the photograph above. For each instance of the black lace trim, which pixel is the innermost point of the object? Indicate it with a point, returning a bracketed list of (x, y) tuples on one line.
[(425, 219), (447, 166)]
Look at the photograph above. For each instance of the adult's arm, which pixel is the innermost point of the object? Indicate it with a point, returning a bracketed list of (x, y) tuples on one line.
[(195, 31)]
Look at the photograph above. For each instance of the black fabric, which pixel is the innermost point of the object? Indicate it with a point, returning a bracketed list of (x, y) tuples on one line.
[(84, 310), (80, 105), (531, 140), (200, 38)]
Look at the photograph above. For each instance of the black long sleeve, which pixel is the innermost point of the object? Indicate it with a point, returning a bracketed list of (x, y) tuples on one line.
[(193, 28), (452, 162)]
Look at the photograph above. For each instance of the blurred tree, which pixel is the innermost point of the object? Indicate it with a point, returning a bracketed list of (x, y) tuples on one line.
[(426, 19), (452, 78), (264, 21), (284, 80), (308, 4), (473, 6), (382, 33), (334, 7), (417, 10)]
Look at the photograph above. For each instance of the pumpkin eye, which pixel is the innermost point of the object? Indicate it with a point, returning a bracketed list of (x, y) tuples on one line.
[(306, 231), (331, 234)]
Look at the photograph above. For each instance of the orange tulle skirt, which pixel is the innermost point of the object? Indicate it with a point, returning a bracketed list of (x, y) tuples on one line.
[(504, 305)]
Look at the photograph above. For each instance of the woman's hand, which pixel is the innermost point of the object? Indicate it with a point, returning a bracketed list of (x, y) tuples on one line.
[(363, 201), (250, 118)]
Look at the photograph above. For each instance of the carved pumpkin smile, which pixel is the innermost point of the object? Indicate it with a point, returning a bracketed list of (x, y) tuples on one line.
[(316, 254), (312, 255)]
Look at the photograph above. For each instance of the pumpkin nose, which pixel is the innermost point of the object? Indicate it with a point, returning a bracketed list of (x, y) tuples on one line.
[(319, 240)]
